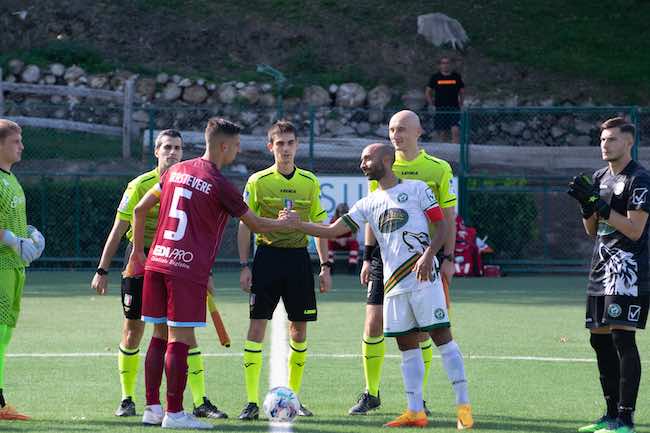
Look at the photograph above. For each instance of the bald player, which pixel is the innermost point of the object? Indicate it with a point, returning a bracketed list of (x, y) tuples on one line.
[(399, 213), (412, 162)]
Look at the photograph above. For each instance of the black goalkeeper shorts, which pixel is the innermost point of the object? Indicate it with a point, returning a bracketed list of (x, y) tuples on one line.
[(617, 310)]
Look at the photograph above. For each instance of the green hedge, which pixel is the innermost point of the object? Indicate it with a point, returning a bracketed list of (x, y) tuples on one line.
[(74, 213), (508, 217)]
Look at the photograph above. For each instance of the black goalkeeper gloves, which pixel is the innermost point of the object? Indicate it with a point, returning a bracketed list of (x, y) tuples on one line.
[(588, 196)]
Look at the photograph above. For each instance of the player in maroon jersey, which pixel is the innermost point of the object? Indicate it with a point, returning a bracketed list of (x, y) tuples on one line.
[(196, 201)]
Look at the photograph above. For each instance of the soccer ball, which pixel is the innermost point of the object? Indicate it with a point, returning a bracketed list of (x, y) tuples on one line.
[(281, 404)]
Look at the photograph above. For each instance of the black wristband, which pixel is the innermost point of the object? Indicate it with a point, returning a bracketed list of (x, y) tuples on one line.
[(326, 265), (245, 264), (449, 257), (367, 252), (101, 271)]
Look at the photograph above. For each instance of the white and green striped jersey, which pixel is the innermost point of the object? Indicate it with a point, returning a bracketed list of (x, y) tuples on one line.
[(399, 219), (13, 216)]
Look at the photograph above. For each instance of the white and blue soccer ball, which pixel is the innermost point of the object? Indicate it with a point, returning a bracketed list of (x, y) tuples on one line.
[(281, 404)]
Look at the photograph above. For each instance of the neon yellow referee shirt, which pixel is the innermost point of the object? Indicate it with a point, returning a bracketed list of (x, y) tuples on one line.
[(267, 192)]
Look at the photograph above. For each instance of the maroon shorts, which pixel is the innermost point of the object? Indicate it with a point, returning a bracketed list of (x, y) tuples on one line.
[(173, 300)]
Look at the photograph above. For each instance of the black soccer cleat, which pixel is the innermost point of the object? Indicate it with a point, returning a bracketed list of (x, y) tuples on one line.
[(365, 404), (250, 412), (303, 411), (126, 408), (427, 412), (208, 410)]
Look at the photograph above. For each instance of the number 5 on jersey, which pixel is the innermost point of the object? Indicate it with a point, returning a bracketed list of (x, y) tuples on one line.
[(180, 215)]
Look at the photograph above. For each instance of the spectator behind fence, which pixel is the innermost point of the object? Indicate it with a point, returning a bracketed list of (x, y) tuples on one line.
[(347, 242), (445, 92)]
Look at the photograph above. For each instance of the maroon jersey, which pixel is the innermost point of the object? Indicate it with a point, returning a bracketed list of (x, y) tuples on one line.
[(195, 203)]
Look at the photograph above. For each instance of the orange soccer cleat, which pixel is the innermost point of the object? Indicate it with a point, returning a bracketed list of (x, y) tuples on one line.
[(10, 413), (465, 420), (409, 419)]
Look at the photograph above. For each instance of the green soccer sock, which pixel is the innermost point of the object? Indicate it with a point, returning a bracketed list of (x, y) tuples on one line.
[(252, 369), (127, 364), (5, 336), (297, 359), (196, 375), (427, 355), (373, 349)]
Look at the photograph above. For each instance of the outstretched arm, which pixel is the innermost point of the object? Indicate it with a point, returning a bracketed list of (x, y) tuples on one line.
[(260, 224), (100, 282)]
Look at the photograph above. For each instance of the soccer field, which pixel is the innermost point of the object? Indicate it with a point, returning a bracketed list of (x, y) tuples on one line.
[(528, 359)]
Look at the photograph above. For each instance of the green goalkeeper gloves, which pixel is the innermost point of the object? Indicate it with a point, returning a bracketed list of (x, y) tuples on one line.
[(588, 195)]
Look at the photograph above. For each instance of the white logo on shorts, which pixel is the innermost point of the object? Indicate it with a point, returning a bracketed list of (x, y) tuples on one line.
[(634, 313), (127, 300)]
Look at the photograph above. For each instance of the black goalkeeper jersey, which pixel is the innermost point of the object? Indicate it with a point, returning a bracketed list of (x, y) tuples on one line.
[(619, 265)]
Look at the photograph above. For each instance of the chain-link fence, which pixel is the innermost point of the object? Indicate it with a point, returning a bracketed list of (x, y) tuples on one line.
[(512, 166)]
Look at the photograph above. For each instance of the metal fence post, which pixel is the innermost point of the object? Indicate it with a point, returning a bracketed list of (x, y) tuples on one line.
[(635, 120), (43, 204), (147, 155), (312, 136), (127, 122), (2, 95), (464, 166), (77, 218)]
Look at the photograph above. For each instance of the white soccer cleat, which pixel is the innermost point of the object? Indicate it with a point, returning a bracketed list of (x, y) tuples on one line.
[(185, 420), (153, 415)]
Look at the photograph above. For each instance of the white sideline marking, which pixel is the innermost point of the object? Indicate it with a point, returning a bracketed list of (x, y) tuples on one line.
[(282, 362), (278, 374)]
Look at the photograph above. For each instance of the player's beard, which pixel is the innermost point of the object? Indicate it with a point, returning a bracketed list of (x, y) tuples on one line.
[(376, 173)]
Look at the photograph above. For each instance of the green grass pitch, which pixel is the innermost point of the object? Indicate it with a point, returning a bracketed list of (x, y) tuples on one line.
[(497, 322)]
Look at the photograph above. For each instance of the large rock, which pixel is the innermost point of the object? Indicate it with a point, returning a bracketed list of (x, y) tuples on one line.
[(227, 93), (57, 69), (350, 95), (413, 99), (316, 96), (171, 92), (16, 66), (195, 94), (31, 74), (185, 82), (439, 29), (50, 79), (248, 117), (375, 116), (379, 97), (99, 81), (146, 87), (119, 78), (250, 94), (578, 140), (267, 100), (514, 128), (363, 128), (585, 127), (140, 116), (73, 73), (162, 78)]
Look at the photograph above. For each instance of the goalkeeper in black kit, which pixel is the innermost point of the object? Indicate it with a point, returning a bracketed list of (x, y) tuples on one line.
[(614, 203)]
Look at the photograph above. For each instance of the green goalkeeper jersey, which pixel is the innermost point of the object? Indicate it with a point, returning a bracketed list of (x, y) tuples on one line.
[(136, 189), (13, 216)]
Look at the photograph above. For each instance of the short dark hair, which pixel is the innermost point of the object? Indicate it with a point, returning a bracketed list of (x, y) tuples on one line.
[(282, 126), (173, 133), (8, 127), (618, 122), (220, 126)]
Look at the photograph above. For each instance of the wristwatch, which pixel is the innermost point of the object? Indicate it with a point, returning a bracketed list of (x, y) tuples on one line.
[(326, 265), (244, 264), (449, 257), (101, 271)]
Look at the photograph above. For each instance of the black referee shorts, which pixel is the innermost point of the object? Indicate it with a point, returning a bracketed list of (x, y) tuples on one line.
[(617, 310), (283, 273), (376, 282), (131, 290)]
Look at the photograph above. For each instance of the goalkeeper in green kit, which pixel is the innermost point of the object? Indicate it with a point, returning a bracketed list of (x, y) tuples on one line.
[(20, 245)]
